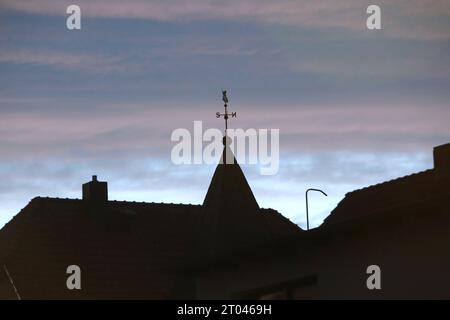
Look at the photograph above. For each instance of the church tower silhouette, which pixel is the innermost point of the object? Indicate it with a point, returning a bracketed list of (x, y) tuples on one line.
[(231, 217)]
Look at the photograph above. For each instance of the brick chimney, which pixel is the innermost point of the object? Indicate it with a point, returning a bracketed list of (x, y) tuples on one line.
[(95, 190), (441, 156)]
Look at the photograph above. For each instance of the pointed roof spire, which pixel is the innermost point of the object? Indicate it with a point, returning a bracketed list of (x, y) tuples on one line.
[(231, 218), (231, 214), (229, 186)]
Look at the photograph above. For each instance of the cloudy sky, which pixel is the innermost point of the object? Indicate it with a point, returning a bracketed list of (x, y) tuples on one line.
[(354, 106)]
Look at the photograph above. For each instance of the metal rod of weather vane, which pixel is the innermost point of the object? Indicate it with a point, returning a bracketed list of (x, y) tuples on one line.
[(226, 118), (306, 196), (225, 104)]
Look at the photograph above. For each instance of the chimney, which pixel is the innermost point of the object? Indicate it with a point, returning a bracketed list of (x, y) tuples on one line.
[(441, 156), (95, 190)]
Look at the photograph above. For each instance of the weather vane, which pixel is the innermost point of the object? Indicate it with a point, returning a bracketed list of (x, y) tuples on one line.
[(226, 114)]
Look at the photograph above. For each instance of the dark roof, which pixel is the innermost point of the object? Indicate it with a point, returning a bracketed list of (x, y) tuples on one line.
[(433, 183), (423, 197), (124, 249), (232, 217), (229, 191), (130, 249)]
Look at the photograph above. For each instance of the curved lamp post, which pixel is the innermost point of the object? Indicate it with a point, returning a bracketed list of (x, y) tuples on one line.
[(306, 195)]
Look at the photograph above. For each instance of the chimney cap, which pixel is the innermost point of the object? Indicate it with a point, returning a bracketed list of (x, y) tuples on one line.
[(94, 178)]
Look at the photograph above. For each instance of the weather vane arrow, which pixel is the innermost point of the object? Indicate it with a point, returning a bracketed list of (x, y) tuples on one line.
[(227, 114)]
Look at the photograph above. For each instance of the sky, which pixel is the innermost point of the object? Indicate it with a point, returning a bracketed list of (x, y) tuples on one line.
[(354, 106)]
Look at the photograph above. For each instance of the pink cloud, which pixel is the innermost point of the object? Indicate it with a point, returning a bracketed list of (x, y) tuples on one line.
[(63, 60), (146, 129), (349, 14)]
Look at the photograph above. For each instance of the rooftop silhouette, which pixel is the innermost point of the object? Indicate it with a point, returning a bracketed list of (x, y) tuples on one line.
[(166, 251)]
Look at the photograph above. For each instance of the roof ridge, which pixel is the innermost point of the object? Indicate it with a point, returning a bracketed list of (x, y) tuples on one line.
[(39, 198), (376, 185)]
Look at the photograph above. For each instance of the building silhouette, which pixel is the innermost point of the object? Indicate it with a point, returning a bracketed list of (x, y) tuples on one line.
[(229, 247)]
